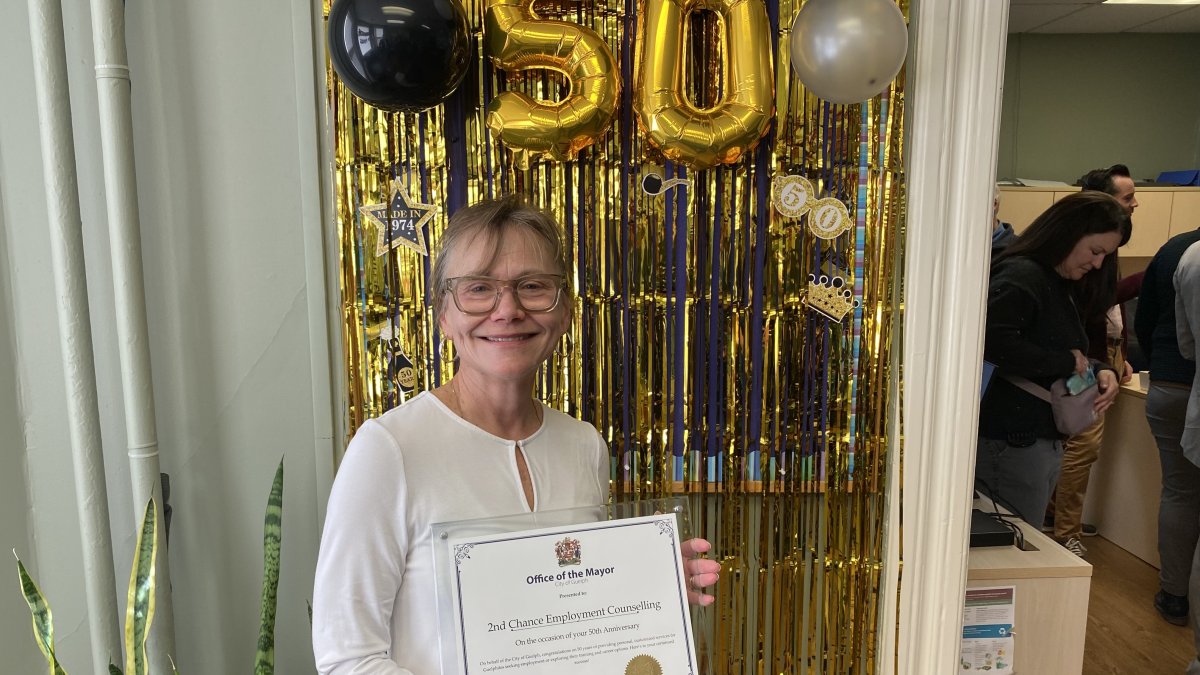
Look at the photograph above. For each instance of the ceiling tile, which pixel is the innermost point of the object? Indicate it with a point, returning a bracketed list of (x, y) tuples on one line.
[(1025, 18), (1107, 18), (1186, 21)]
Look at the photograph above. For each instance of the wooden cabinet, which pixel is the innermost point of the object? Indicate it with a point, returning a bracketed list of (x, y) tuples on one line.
[(1020, 207), (1162, 213), (1123, 492), (1185, 212), (1051, 599)]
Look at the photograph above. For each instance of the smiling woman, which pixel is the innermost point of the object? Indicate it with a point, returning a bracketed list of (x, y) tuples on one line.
[(499, 278), (1035, 336), (479, 446)]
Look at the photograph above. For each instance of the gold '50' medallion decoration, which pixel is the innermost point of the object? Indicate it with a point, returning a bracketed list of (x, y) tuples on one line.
[(829, 218), (792, 195)]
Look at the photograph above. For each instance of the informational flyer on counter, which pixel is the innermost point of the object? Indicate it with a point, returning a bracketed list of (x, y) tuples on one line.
[(987, 638)]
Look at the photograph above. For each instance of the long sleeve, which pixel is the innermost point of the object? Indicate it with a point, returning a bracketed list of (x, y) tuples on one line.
[(1129, 287), (1187, 302), (375, 605), (1032, 326), (1010, 343), (1183, 330), (361, 562), (1186, 282), (1146, 317)]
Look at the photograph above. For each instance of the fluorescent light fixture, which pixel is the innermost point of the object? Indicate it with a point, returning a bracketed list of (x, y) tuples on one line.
[(1151, 2)]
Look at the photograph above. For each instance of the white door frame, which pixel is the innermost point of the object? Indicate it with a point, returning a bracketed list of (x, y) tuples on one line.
[(955, 79)]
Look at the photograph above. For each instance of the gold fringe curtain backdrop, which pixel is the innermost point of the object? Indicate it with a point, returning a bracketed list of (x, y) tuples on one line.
[(694, 350)]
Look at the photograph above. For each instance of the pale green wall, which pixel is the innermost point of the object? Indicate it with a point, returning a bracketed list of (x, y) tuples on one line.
[(1077, 102), (16, 635), (225, 101)]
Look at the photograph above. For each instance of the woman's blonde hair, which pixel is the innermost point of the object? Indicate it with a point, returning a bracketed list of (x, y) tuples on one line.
[(492, 219)]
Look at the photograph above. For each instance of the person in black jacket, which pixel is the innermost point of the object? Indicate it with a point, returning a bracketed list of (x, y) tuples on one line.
[(1166, 407), (1002, 233), (1034, 332)]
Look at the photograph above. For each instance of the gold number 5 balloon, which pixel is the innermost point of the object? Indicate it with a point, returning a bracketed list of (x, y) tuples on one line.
[(516, 39), (703, 138)]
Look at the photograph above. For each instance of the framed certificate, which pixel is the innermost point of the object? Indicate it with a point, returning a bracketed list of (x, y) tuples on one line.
[(575, 592)]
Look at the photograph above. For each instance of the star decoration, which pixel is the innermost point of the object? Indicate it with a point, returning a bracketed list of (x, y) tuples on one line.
[(406, 217)]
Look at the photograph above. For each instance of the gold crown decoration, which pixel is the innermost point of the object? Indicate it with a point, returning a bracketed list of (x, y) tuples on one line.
[(830, 297)]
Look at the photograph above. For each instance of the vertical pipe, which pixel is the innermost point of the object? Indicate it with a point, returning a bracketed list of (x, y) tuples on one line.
[(120, 186), (74, 322)]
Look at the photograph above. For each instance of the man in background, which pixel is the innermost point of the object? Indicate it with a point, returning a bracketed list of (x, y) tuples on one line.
[(1187, 332), (1105, 329), (1002, 233), (1171, 378)]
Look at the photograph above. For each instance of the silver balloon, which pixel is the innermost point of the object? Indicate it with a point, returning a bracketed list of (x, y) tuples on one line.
[(846, 51)]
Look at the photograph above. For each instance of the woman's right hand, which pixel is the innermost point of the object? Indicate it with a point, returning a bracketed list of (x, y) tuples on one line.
[(1081, 362)]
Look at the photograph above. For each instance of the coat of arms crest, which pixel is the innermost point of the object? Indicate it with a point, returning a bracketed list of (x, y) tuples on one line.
[(567, 551)]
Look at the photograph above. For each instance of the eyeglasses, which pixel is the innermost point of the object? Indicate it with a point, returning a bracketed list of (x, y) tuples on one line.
[(481, 295)]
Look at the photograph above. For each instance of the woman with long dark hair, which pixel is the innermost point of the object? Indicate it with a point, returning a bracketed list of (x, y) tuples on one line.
[(1034, 332)]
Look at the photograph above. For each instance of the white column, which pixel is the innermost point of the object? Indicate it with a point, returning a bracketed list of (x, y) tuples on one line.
[(955, 72)]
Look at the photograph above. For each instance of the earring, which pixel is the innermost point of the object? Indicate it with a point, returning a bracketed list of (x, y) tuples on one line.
[(566, 346), (446, 342)]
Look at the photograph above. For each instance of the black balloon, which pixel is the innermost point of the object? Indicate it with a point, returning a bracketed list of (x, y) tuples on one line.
[(400, 55)]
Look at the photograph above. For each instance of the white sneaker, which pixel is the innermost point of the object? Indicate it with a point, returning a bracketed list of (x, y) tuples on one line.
[(1075, 546)]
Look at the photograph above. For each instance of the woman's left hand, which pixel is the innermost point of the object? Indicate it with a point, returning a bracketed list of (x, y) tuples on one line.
[(1107, 381), (701, 572)]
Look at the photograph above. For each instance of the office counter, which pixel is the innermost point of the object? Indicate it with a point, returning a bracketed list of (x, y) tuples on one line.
[(1053, 586), (1122, 496)]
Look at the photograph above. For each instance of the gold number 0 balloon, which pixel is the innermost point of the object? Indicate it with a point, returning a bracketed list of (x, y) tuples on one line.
[(516, 39), (703, 138)]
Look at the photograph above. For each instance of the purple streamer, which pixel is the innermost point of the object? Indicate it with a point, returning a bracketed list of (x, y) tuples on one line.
[(454, 132), (679, 317), (627, 130)]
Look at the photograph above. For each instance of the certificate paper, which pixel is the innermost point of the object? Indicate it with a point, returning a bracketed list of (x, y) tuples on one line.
[(607, 597)]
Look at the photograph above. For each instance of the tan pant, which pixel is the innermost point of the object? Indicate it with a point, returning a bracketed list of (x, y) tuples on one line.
[(1079, 454)]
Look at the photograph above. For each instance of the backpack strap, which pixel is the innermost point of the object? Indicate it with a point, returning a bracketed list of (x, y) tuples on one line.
[(1029, 387)]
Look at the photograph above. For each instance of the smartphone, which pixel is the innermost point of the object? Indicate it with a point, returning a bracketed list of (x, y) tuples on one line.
[(1077, 383)]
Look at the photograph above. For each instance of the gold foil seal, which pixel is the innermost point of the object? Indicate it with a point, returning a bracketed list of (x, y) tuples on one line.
[(643, 665)]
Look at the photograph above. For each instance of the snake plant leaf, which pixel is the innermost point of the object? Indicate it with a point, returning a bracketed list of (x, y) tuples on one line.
[(264, 661), (113, 670), (139, 611), (43, 622)]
